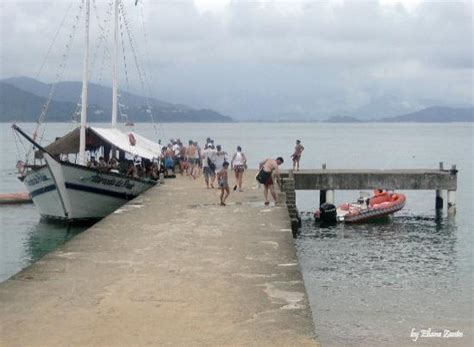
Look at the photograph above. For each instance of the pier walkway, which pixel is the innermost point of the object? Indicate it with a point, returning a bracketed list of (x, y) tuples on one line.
[(172, 267)]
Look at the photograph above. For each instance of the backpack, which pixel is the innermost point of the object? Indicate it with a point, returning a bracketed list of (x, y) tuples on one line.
[(262, 176), (211, 165)]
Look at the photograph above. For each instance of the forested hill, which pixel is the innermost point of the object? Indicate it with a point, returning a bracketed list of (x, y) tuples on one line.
[(22, 98)]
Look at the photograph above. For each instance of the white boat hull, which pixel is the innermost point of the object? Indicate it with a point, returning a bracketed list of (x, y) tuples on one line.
[(45, 196), (73, 193)]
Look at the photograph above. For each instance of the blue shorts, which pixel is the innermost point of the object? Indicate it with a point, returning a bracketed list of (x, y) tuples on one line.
[(169, 163), (207, 171)]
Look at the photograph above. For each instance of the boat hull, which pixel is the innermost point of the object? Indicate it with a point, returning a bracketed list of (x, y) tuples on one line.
[(72, 193), (42, 188), (385, 206)]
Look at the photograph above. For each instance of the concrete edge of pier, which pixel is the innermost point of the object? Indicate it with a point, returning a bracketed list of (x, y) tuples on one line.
[(171, 267)]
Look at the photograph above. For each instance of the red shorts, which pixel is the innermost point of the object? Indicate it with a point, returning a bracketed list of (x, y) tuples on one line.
[(296, 157), (269, 181)]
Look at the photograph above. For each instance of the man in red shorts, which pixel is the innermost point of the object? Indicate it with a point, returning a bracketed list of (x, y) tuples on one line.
[(268, 166)]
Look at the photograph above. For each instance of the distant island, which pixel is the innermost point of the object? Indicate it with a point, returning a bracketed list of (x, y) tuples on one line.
[(435, 114), (342, 119), (22, 99)]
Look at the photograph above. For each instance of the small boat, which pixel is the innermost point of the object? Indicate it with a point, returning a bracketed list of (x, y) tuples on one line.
[(380, 205), (129, 124), (15, 198)]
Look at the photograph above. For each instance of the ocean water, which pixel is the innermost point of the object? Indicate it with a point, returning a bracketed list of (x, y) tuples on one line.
[(368, 284)]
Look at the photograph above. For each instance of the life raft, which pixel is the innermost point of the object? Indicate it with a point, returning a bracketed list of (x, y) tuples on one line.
[(375, 207)]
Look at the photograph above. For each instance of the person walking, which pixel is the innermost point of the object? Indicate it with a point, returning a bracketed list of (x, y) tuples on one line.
[(183, 160), (296, 156), (208, 165), (221, 158), (238, 164), (223, 182), (191, 155), (198, 160), (267, 167)]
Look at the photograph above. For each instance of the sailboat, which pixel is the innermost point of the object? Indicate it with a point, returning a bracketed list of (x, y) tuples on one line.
[(75, 192)]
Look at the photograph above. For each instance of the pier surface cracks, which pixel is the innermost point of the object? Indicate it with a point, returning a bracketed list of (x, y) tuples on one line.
[(171, 267)]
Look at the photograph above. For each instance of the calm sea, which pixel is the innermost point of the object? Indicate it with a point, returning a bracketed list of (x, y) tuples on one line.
[(367, 284)]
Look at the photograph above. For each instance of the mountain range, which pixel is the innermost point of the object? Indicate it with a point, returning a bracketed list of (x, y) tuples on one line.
[(22, 99)]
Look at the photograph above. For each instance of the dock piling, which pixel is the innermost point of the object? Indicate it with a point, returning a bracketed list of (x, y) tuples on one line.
[(452, 195), (322, 193), (330, 196), (451, 202), (439, 199), (288, 191), (439, 192)]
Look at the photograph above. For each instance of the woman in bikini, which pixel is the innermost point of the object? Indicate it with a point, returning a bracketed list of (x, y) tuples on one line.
[(238, 164), (296, 156)]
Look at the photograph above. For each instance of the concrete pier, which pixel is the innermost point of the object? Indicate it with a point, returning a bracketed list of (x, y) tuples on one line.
[(172, 267), (407, 179)]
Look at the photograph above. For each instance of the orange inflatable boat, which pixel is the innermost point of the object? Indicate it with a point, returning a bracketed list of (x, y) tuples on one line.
[(380, 205)]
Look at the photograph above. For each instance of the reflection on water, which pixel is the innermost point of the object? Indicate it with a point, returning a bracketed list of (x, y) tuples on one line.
[(373, 282), (45, 237), (24, 238), (391, 250)]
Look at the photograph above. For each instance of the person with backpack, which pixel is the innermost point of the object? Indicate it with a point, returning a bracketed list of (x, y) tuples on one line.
[(264, 176), (209, 165)]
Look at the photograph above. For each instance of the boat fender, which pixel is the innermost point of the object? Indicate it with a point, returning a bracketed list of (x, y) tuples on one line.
[(132, 140), (20, 166)]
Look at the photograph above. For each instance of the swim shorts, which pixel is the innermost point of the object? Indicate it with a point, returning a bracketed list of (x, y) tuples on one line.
[(239, 168), (207, 171)]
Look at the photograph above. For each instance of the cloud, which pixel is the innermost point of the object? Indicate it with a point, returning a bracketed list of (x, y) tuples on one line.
[(248, 58)]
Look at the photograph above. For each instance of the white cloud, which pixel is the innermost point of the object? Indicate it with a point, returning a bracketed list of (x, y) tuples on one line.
[(263, 57)]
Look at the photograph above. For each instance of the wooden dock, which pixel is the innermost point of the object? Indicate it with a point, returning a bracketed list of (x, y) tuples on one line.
[(172, 267), (327, 181)]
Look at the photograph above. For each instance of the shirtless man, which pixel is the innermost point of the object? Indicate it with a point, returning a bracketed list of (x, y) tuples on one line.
[(270, 165), (183, 162), (191, 155)]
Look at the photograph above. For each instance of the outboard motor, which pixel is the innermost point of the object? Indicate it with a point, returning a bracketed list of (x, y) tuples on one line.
[(328, 213)]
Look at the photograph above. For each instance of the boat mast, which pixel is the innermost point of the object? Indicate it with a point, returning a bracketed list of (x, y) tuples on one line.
[(85, 77), (114, 68)]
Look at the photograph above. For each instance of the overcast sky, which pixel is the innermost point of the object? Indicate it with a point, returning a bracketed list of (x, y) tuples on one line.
[(256, 58)]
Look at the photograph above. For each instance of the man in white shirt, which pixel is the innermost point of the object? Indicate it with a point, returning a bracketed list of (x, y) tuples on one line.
[(221, 157), (209, 156)]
